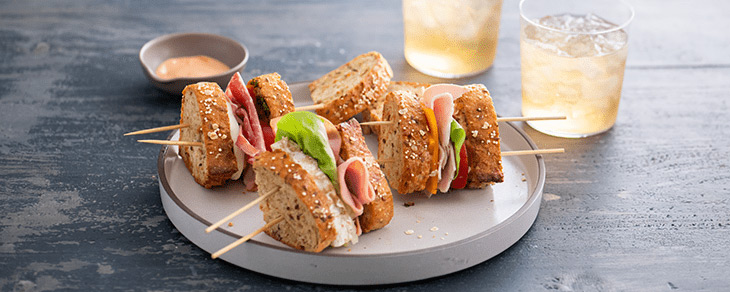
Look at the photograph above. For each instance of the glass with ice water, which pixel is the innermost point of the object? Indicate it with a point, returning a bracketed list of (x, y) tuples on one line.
[(573, 55), (451, 38)]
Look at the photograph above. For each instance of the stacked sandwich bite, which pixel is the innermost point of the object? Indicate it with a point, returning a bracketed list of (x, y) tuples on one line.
[(446, 139), (323, 181), (211, 121), (232, 125)]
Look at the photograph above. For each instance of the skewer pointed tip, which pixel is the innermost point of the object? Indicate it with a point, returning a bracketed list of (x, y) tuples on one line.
[(168, 142), (158, 129)]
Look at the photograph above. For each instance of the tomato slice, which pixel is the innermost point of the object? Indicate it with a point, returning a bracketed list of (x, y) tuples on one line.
[(460, 180), (269, 136), (250, 91)]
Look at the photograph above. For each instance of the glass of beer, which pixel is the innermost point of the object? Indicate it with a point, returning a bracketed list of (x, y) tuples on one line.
[(573, 56), (451, 38)]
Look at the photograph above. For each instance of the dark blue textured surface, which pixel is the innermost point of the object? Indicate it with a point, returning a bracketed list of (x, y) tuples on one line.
[(642, 207)]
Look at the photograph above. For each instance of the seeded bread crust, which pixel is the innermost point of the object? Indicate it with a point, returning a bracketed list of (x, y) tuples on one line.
[(475, 112), (403, 144), (375, 111), (204, 107), (351, 88), (275, 93), (307, 223), (378, 213)]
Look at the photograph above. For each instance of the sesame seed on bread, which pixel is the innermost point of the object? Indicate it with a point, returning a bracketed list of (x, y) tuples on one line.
[(474, 111), (205, 108), (375, 112), (272, 96), (352, 87), (296, 198), (378, 213), (403, 144)]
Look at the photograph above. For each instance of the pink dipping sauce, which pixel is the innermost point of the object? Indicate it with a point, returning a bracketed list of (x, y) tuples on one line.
[(190, 67)]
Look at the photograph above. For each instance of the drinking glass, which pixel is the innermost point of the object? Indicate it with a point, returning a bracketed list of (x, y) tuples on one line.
[(451, 38), (573, 58)]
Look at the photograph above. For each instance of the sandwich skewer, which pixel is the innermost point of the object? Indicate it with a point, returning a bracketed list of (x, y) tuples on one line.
[(221, 131), (181, 126), (303, 209), (443, 137), (246, 238), (505, 153), (508, 153), (239, 211), (158, 129), (316, 106), (533, 152), (309, 107), (169, 142), (505, 119)]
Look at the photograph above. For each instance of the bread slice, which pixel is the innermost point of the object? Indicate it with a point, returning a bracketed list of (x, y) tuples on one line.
[(403, 144), (314, 216), (375, 112), (205, 108), (297, 198), (271, 96), (378, 213), (351, 88), (474, 111)]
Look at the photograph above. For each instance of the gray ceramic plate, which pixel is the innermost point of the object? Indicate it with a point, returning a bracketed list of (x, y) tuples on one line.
[(452, 231), (226, 50)]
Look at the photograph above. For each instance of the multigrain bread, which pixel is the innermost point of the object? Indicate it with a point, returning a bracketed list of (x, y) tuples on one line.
[(378, 213), (352, 87), (296, 198), (404, 143), (375, 112), (314, 216), (474, 111), (271, 96), (205, 108)]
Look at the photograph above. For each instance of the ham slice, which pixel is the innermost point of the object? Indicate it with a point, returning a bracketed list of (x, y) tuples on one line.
[(243, 144), (455, 90), (355, 187), (448, 171), (334, 139), (443, 109), (441, 98), (246, 109), (249, 180), (272, 123)]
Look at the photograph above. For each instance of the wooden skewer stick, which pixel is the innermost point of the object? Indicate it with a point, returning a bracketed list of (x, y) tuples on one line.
[(180, 126), (168, 142), (246, 238), (158, 129), (376, 123), (309, 107), (239, 211), (509, 153), (523, 119), (507, 119), (533, 152)]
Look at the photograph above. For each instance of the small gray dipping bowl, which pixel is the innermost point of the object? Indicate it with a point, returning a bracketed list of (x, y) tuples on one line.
[(226, 50)]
